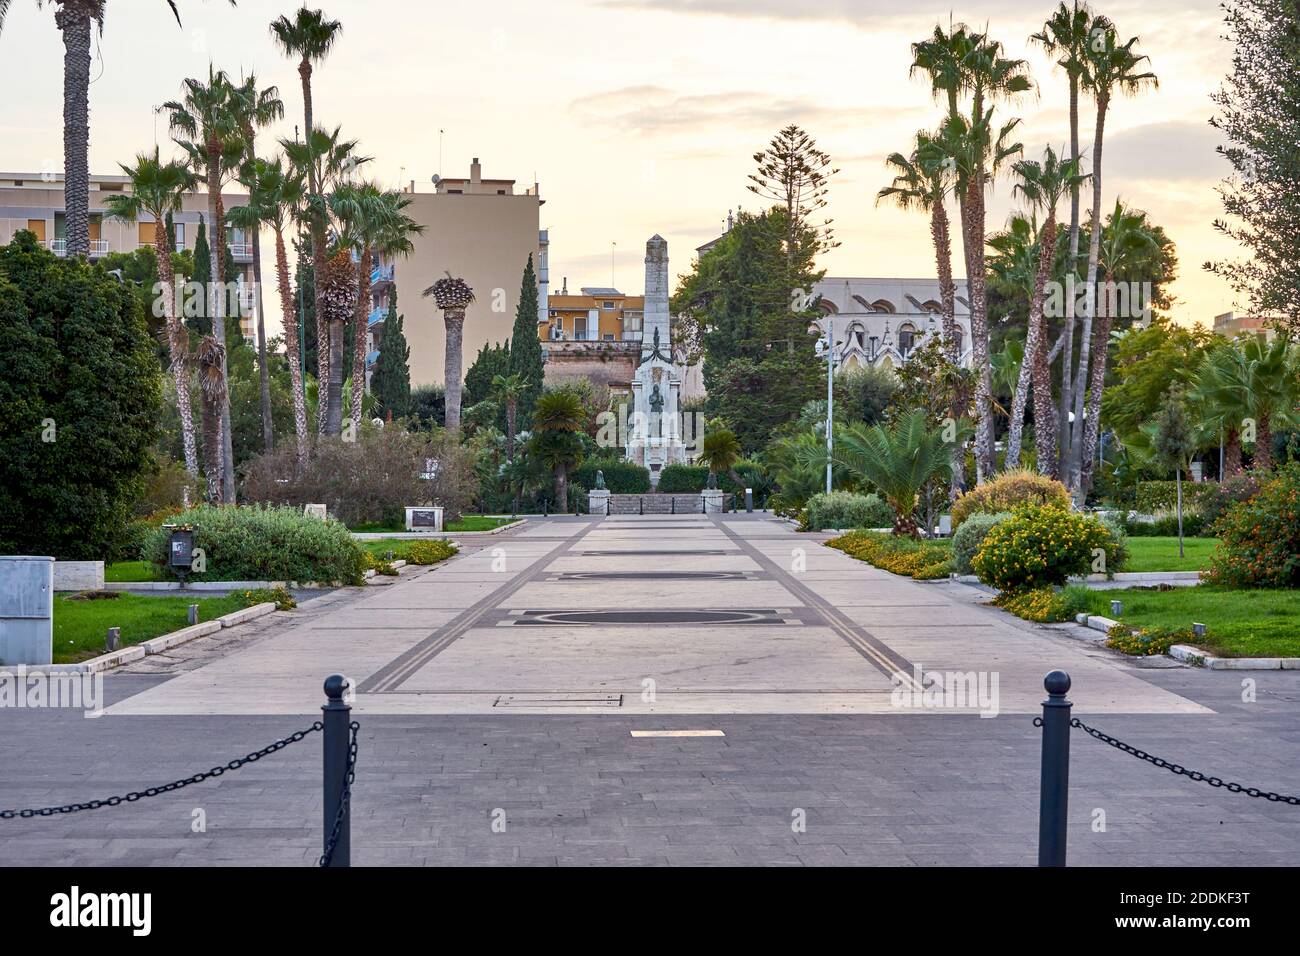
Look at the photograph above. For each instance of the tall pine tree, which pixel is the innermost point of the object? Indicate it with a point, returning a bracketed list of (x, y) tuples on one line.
[(525, 346), (196, 315), (391, 382)]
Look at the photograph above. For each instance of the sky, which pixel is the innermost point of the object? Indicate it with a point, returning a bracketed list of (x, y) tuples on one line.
[(642, 116)]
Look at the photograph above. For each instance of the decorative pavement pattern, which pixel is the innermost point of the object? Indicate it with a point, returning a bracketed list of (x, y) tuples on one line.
[(506, 685)]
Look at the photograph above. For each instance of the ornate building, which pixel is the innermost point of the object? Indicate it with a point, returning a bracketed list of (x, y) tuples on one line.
[(880, 321)]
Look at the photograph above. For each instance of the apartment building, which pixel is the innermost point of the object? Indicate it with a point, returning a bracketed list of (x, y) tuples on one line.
[(594, 315), (1230, 325), (34, 201), (480, 230)]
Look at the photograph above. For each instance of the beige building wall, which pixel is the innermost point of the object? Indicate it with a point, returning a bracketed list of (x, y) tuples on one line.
[(482, 236)]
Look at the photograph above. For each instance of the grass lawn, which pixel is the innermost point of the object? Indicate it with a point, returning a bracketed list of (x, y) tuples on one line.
[(132, 571), (466, 523), (1254, 623), (1161, 554), (81, 626)]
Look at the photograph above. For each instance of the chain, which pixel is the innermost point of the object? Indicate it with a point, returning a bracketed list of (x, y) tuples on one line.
[(135, 795), (344, 800), (1176, 768)]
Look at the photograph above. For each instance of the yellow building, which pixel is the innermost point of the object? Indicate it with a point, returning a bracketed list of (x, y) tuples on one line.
[(596, 315), (480, 230), (34, 201)]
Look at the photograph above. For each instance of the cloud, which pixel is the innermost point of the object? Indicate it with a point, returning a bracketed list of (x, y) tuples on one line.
[(1176, 150), (853, 11), (655, 109)]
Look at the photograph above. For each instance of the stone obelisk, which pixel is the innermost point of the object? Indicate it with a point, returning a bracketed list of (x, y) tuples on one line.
[(655, 438)]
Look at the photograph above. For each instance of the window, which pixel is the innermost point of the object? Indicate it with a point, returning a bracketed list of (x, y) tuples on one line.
[(579, 326), (608, 336), (607, 305), (875, 345), (147, 233), (178, 232), (906, 339)]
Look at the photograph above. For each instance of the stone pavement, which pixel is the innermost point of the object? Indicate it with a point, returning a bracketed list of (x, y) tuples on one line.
[(498, 687)]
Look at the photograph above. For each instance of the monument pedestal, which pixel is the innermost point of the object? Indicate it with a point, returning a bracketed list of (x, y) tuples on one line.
[(712, 501), (598, 501)]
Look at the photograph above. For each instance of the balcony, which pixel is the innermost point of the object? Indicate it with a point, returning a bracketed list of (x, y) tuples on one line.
[(98, 247), (381, 274), (372, 358), (241, 250), (376, 316)]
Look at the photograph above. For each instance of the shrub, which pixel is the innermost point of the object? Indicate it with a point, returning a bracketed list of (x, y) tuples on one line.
[(1043, 605), (429, 552), (843, 509), (683, 479), (80, 396), (621, 477), (1148, 641), (968, 538), (260, 544), (1155, 496), (1008, 491), (1226, 494), (378, 565), (1165, 525), (923, 560), (1259, 539), (279, 596), (1040, 546), (370, 480), (1117, 550)]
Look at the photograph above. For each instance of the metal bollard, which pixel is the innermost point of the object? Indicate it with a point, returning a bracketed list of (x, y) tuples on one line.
[(749, 501), (607, 512), (546, 506), (337, 716), (641, 505), (193, 616), (114, 639), (1054, 783)]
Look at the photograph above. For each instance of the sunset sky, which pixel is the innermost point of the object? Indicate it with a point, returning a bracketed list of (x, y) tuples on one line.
[(641, 116)]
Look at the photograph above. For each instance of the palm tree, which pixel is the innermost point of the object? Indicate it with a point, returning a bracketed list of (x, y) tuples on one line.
[(338, 295), (1042, 185), (256, 108), (898, 461), (73, 18), (720, 451), (157, 189), (452, 297), (274, 197), (1249, 381), (1066, 35), (510, 390), (331, 160), (1128, 246), (210, 357), (558, 418), (1113, 67), (205, 124), (310, 36)]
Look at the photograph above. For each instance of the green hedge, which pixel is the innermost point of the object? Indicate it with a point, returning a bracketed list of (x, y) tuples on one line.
[(683, 479), (1153, 496), (621, 477), (845, 510), (967, 539), (256, 543)]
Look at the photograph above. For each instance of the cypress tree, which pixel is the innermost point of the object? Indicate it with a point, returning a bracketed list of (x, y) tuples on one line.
[(198, 321), (525, 346), (391, 381)]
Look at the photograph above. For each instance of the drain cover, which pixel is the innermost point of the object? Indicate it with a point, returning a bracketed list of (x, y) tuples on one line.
[(555, 700), (650, 616)]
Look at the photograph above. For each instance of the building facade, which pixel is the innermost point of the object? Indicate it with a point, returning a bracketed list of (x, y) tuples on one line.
[(879, 321), (34, 201), (1230, 325), (480, 230)]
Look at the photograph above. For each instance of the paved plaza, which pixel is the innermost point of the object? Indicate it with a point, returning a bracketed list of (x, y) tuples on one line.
[(499, 693)]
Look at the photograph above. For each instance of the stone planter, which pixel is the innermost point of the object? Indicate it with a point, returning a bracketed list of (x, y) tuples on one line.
[(78, 575)]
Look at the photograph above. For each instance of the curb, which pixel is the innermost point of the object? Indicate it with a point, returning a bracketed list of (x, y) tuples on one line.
[(155, 645), (418, 535), (1199, 658), (215, 585)]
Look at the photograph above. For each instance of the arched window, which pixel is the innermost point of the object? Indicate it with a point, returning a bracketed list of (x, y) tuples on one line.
[(957, 338), (883, 305), (906, 339)]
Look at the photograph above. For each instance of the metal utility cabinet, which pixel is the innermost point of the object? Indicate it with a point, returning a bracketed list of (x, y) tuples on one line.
[(26, 610)]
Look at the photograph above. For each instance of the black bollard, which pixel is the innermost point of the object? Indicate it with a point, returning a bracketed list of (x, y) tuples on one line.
[(337, 718), (546, 506), (673, 500), (641, 505), (1054, 784)]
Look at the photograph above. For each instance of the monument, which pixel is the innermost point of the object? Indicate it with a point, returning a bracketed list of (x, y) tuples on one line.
[(655, 438)]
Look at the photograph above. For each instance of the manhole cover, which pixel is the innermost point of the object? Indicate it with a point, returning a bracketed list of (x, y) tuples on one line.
[(650, 616)]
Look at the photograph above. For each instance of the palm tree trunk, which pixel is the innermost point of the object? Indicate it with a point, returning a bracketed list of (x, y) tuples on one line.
[(73, 21), (216, 314), (1263, 443), (1231, 454), (359, 343), (177, 346), (219, 267), (561, 488), (212, 447), (1074, 473), (979, 331), (289, 318), (264, 372), (317, 230), (512, 410), (455, 321), (941, 233), (1033, 341), (1062, 414), (1096, 386), (1045, 425)]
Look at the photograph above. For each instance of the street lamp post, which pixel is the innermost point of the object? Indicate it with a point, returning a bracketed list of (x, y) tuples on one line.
[(830, 397)]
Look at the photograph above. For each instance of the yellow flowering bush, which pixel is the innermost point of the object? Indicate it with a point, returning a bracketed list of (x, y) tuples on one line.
[(916, 559), (1009, 490), (1044, 605), (430, 552), (1039, 547), (1149, 641)]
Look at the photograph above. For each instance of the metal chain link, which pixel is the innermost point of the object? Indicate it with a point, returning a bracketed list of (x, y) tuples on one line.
[(135, 795), (1178, 769), (344, 799)]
